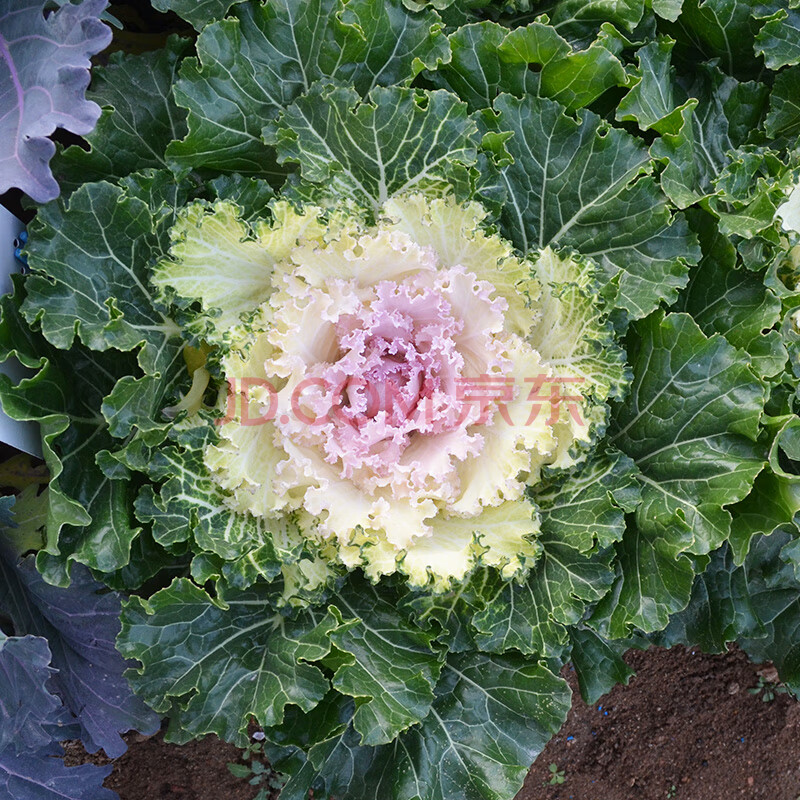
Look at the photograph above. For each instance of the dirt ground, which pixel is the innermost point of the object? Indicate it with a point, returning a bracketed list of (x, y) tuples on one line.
[(685, 728)]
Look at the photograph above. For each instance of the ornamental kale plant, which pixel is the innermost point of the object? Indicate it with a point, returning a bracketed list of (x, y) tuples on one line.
[(391, 355)]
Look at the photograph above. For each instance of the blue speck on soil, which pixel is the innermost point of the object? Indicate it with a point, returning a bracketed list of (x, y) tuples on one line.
[(570, 738), (742, 740)]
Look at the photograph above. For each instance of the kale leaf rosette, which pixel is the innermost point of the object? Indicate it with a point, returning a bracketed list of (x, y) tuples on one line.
[(389, 357), (394, 388)]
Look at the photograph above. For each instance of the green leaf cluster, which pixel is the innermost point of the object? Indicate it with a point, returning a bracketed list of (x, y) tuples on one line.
[(653, 141)]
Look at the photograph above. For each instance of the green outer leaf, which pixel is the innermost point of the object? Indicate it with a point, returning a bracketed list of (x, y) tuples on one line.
[(721, 29), (718, 611), (252, 195), (580, 183), (393, 668), (139, 119), (773, 502), (718, 115), (779, 40), (598, 663), (668, 9), (783, 119), (213, 667), (574, 79), (474, 71), (651, 101), (491, 718), (733, 302), (398, 140), (449, 615), (89, 515), (197, 12), (578, 15), (532, 617), (587, 509), (654, 580), (755, 604), (690, 425), (773, 591), (581, 77), (252, 67), (190, 506), (93, 256)]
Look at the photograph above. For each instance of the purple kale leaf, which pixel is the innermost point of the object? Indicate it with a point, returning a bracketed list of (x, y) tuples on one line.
[(44, 72), (81, 624), (33, 721)]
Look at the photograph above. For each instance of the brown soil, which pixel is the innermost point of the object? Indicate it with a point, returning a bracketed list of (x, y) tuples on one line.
[(686, 728), (154, 770)]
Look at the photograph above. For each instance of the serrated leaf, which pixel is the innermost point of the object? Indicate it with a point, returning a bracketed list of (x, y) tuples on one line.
[(690, 424), (252, 67), (651, 101), (588, 508), (718, 113), (213, 668), (773, 503), (579, 183), (779, 39), (397, 140), (44, 69), (531, 617), (654, 580), (252, 195), (190, 506), (448, 615), (750, 189), (89, 518), (492, 717), (719, 609), (393, 668), (139, 118), (90, 260), (773, 591)]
